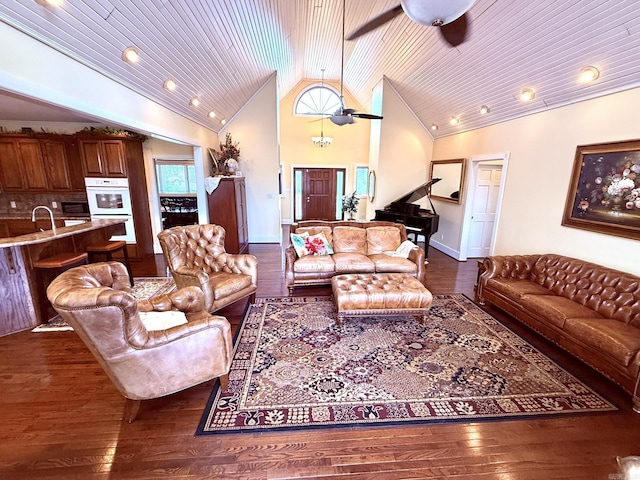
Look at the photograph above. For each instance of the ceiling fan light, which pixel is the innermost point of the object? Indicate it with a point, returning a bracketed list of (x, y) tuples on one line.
[(527, 95), (130, 55), (170, 85), (454, 121), (435, 12), (484, 110), (589, 74)]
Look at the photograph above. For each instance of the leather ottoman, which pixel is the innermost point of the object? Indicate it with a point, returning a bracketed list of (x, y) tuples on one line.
[(360, 294)]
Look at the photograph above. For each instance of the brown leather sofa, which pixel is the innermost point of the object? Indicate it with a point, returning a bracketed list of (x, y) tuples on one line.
[(358, 248), (143, 362), (196, 256), (591, 311)]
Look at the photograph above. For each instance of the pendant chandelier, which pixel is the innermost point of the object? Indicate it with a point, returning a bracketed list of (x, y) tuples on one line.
[(322, 141)]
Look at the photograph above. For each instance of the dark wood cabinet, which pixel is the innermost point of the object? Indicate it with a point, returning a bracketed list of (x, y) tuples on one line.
[(103, 158), (22, 166), (44, 163), (228, 208)]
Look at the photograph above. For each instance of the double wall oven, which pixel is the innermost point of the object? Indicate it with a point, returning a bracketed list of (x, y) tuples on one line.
[(109, 198)]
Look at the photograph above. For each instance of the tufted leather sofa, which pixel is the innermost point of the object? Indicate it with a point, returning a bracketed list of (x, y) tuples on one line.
[(358, 248), (142, 363), (589, 310), (196, 256)]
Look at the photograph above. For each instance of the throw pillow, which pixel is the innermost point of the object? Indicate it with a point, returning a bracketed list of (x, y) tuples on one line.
[(317, 245), (297, 240)]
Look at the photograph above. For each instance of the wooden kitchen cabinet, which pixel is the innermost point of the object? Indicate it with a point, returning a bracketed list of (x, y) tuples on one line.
[(22, 166), (228, 208), (103, 158)]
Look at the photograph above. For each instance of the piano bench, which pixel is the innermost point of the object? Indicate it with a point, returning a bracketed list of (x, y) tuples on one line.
[(373, 294)]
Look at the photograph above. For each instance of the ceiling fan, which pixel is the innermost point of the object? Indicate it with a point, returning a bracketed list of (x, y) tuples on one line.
[(449, 15), (344, 115)]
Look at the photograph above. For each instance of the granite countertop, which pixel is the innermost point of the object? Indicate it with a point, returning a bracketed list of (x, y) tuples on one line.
[(61, 232)]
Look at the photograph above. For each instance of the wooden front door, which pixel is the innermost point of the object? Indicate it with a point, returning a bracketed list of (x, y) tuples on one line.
[(317, 190)]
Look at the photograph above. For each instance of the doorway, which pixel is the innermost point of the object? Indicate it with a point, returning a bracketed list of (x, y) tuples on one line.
[(318, 193), (482, 211)]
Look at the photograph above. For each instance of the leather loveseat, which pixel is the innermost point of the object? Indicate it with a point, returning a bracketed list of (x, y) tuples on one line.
[(591, 311), (358, 247)]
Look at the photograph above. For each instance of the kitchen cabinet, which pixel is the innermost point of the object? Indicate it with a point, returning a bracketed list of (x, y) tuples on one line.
[(39, 164), (22, 166), (103, 158), (228, 208)]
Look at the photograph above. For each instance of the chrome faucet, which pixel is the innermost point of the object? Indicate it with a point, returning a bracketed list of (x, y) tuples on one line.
[(33, 216)]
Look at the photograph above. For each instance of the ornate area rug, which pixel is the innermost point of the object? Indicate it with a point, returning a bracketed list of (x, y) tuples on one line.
[(143, 287), (294, 367)]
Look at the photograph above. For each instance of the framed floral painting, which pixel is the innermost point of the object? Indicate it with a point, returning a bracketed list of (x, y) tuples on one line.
[(604, 195)]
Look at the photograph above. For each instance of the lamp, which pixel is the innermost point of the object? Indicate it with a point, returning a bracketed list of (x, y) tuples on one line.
[(435, 12), (322, 141)]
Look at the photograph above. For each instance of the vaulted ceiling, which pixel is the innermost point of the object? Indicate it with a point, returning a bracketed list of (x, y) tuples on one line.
[(223, 51)]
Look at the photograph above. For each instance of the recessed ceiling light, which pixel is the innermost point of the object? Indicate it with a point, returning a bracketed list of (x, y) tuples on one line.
[(589, 74), (434, 126), (194, 102), (130, 55), (484, 110), (454, 121), (170, 85), (527, 94), (223, 121), (212, 114), (50, 3)]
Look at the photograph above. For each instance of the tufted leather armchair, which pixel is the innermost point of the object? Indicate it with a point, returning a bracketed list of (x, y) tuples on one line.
[(196, 256), (143, 363)]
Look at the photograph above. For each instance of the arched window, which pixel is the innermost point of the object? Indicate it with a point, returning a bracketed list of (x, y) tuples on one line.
[(317, 100)]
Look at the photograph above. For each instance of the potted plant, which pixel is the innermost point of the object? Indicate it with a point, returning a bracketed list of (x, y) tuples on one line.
[(350, 204)]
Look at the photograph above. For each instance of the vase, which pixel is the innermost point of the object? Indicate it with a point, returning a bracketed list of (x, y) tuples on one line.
[(616, 203), (232, 166)]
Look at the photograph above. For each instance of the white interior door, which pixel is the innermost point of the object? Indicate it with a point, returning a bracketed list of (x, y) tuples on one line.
[(483, 210)]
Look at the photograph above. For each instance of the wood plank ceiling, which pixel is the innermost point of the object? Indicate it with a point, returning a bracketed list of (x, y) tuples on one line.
[(223, 51)]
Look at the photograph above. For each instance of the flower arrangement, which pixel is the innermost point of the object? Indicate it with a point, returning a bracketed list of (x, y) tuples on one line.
[(350, 203), (621, 187), (229, 149)]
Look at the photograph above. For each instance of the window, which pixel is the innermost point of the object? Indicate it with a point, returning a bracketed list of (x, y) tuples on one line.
[(176, 177), (362, 180), (317, 101)]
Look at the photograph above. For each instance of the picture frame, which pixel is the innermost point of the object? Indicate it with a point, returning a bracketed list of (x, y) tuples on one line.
[(371, 190), (604, 192)]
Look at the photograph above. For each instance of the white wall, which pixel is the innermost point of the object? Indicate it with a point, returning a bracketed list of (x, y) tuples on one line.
[(255, 127), (405, 149), (542, 149)]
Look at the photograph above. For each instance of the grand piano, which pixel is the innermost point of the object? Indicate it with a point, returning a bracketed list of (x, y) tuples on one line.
[(418, 221)]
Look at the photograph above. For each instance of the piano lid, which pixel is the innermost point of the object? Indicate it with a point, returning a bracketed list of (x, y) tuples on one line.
[(417, 194)]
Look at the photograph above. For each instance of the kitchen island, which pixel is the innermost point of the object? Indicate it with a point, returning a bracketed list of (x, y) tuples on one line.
[(21, 288)]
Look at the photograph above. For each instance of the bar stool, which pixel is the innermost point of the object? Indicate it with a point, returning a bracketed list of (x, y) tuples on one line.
[(108, 248), (50, 267)]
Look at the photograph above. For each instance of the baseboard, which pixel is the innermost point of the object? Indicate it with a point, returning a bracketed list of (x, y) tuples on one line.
[(445, 249)]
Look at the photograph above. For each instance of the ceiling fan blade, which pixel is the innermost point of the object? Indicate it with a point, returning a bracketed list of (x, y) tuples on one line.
[(377, 22), (368, 116), (455, 33)]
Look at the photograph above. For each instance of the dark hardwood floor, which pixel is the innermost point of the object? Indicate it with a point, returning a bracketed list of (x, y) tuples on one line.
[(62, 419)]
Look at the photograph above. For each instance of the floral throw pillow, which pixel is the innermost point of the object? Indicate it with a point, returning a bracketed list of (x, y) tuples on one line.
[(318, 245), (305, 244), (297, 240)]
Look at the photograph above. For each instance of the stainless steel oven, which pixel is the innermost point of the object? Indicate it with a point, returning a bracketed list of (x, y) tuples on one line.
[(109, 198)]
